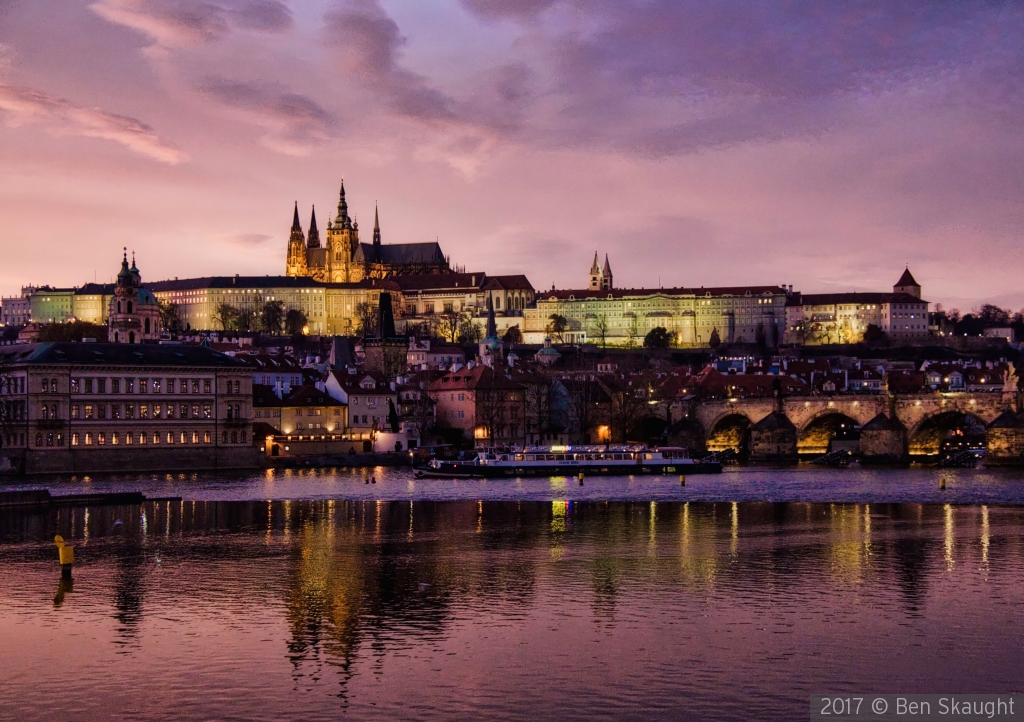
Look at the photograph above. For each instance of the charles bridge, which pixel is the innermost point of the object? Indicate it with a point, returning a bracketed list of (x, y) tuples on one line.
[(891, 427)]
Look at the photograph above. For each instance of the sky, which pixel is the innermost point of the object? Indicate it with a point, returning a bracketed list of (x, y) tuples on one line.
[(696, 142)]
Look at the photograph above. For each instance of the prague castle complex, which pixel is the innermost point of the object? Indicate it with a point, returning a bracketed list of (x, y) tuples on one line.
[(332, 279), (344, 259)]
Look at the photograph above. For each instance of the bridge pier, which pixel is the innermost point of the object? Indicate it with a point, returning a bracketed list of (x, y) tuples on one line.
[(1004, 441), (883, 441), (773, 438)]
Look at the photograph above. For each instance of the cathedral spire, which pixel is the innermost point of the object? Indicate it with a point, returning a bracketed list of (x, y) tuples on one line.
[(595, 268), (376, 226), (314, 233), (296, 226), (342, 220)]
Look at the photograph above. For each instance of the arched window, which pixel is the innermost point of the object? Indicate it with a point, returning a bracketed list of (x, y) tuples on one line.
[(147, 325), (129, 307), (224, 437), (117, 337), (53, 385), (119, 307), (131, 337), (39, 439)]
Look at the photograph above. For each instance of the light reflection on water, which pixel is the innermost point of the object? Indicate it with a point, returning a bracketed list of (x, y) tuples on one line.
[(503, 610), (803, 483)]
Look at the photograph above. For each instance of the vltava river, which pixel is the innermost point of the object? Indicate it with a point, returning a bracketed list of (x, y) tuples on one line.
[(511, 610)]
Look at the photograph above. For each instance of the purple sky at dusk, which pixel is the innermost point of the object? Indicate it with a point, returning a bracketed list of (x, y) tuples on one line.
[(822, 145)]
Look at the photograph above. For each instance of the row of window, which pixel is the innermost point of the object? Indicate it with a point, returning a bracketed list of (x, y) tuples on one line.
[(141, 438), (145, 411), (92, 385)]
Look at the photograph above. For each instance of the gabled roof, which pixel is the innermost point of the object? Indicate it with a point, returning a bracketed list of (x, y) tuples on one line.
[(509, 283), (309, 396)]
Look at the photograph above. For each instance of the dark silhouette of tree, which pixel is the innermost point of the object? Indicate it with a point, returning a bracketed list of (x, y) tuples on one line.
[(556, 327), (272, 317), (658, 337), (294, 322), (513, 335), (715, 341)]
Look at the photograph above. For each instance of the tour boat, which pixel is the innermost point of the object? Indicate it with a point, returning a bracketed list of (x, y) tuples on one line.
[(570, 461)]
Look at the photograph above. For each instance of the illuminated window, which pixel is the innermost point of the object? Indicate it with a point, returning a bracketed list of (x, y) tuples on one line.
[(74, 439), (88, 439)]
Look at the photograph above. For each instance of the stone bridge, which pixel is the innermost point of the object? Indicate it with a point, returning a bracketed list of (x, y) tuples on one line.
[(911, 425)]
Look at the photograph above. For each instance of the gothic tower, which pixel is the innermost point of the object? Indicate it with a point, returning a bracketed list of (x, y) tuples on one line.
[(376, 227), (296, 264), (606, 275), (595, 275), (342, 240), (313, 239)]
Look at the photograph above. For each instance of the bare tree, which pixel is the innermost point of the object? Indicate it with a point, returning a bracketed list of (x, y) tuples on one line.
[(628, 407), (366, 318), (539, 394), (225, 314), (446, 325), (600, 329), (469, 330), (632, 331), (583, 397)]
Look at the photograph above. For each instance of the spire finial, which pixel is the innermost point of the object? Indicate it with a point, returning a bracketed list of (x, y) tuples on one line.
[(342, 220)]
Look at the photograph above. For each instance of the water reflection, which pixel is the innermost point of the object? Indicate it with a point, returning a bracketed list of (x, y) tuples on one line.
[(409, 590)]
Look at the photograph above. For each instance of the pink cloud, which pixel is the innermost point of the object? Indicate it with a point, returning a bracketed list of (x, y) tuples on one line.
[(22, 106)]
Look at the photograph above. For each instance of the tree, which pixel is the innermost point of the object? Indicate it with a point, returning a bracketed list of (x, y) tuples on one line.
[(628, 407), (632, 331), (600, 328), (513, 335), (246, 320), (446, 325), (583, 394), (170, 316), (468, 330), (538, 394), (225, 314), (992, 316), (658, 337), (366, 318), (556, 327), (294, 322), (272, 317), (715, 341), (875, 337)]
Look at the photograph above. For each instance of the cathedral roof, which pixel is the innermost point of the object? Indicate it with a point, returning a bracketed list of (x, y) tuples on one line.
[(508, 283), (400, 253)]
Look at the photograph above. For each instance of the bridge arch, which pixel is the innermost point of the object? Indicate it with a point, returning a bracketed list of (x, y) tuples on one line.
[(818, 433), (927, 437), (729, 431)]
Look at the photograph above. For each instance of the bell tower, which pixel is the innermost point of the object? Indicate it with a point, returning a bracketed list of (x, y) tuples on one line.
[(595, 274), (342, 240)]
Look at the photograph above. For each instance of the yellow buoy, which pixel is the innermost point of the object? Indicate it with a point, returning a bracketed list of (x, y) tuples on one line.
[(66, 554)]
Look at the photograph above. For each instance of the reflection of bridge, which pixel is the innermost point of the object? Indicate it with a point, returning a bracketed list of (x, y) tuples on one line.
[(890, 425)]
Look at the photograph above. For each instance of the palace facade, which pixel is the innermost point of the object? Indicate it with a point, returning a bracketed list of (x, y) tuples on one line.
[(828, 318), (613, 316), (344, 259)]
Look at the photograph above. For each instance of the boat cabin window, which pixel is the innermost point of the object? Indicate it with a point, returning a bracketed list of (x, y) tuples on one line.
[(519, 457)]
